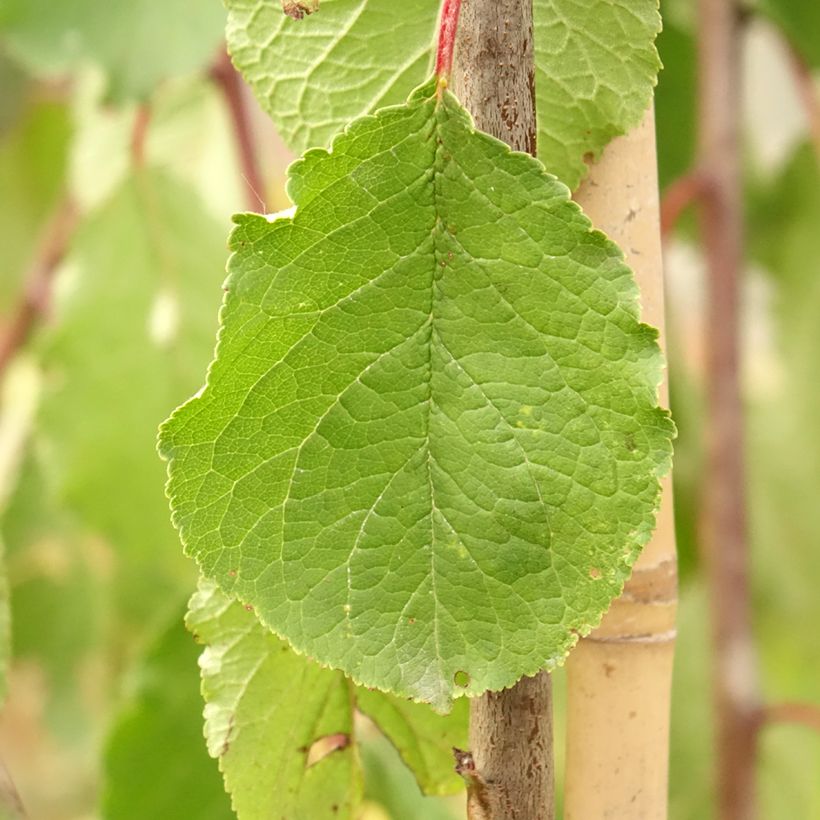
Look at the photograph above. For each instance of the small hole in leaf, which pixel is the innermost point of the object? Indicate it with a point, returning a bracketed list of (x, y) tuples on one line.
[(461, 678)]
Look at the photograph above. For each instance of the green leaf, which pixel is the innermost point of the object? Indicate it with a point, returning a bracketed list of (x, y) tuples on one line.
[(390, 785), (800, 22), (429, 447), (32, 168), (137, 42), (316, 74), (675, 101), (280, 725), (156, 763), (134, 330), (424, 739), (596, 67)]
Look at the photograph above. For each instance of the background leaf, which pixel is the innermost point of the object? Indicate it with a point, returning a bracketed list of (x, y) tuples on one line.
[(281, 726), (595, 69), (423, 738), (135, 330), (156, 763), (137, 42)]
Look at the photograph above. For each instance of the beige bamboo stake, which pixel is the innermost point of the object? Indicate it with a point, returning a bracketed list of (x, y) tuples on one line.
[(619, 678), (510, 769)]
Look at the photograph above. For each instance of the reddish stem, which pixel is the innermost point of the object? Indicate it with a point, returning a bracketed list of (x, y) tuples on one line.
[(448, 26), (225, 76), (139, 134), (34, 299), (725, 519), (802, 714), (677, 197)]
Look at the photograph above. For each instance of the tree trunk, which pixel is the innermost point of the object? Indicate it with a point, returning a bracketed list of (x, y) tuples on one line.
[(511, 770), (619, 678)]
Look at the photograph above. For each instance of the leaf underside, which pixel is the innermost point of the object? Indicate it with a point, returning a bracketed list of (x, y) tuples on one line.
[(282, 727), (596, 66), (265, 707), (429, 447)]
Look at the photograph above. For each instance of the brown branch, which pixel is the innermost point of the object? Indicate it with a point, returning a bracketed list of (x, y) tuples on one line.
[(226, 77), (807, 90), (511, 767), (725, 528), (677, 197), (11, 806), (801, 714), (33, 303)]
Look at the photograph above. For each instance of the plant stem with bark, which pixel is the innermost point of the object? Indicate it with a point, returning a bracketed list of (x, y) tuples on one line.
[(619, 678), (510, 770), (725, 529)]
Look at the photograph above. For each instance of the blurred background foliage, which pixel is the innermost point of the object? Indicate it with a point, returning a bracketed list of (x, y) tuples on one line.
[(115, 132)]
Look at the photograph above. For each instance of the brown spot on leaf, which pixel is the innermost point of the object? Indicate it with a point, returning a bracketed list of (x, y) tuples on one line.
[(326, 745)]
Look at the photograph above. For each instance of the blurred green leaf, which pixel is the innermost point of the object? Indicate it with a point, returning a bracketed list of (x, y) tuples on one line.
[(15, 84), (675, 101), (58, 597), (422, 737), (139, 43), (281, 726), (156, 763), (388, 783), (33, 156), (134, 331), (799, 20), (784, 474)]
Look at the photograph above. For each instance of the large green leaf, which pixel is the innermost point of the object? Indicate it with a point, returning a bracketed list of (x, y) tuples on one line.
[(429, 447), (137, 42), (156, 763), (596, 67), (280, 725)]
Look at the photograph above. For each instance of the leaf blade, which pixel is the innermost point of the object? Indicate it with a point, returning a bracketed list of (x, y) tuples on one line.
[(266, 711), (412, 481)]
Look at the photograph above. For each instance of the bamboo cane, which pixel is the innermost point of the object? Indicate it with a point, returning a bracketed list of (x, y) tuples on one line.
[(619, 677)]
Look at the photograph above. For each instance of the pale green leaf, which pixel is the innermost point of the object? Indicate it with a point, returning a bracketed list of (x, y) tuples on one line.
[(424, 739), (137, 42), (280, 725), (156, 764), (596, 67), (429, 448)]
